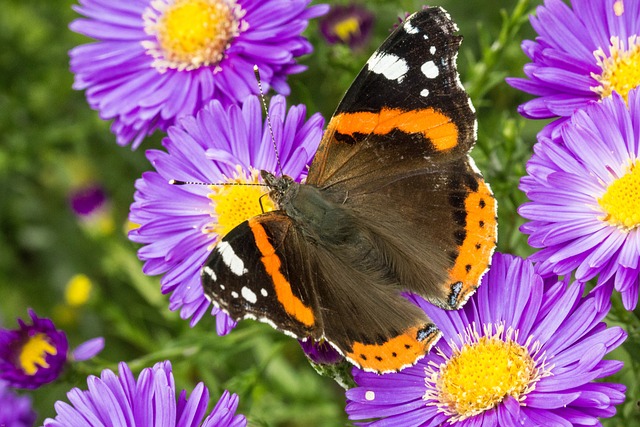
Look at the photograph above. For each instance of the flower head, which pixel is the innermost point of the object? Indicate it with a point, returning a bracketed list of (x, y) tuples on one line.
[(582, 53), (530, 362), (157, 60), (87, 200), (180, 225), (32, 355), (150, 400), (78, 290), (584, 189), (351, 25), (93, 209), (36, 354), (20, 414)]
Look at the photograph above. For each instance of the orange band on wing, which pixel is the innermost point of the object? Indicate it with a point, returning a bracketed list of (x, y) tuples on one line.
[(394, 354), (481, 234), (291, 303), (434, 125)]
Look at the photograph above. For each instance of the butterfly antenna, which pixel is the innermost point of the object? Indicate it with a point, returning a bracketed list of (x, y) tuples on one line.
[(179, 182), (256, 71)]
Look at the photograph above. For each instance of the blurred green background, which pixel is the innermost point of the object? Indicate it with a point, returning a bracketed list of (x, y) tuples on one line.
[(52, 143)]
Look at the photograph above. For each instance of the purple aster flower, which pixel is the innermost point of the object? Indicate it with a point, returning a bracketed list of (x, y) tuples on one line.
[(92, 207), (87, 200), (36, 354), (148, 401), (349, 25), (32, 355), (581, 54), (15, 410), (157, 60), (180, 225), (527, 363), (584, 189)]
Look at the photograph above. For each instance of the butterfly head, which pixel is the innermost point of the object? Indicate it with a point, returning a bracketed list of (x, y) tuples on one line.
[(281, 188)]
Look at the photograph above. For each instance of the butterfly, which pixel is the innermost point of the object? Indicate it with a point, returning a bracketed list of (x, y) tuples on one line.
[(392, 203)]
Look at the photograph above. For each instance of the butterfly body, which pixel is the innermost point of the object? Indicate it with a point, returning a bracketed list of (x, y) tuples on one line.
[(392, 204), (320, 219)]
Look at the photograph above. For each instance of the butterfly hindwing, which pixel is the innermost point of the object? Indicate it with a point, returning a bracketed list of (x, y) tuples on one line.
[(438, 229), (364, 315)]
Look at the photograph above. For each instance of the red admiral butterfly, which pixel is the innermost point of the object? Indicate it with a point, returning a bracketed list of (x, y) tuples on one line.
[(392, 203)]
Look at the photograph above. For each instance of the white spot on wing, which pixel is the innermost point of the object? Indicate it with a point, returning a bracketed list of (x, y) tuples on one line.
[(370, 395), (231, 260), (430, 70), (424, 92), (263, 291), (209, 272), (432, 50), (249, 295), (389, 65), (234, 294), (410, 29)]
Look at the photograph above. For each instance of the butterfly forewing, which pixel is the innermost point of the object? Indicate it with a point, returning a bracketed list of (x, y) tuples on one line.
[(408, 94), (262, 270)]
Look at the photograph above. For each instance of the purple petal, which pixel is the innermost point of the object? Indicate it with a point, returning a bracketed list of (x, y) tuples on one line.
[(88, 349)]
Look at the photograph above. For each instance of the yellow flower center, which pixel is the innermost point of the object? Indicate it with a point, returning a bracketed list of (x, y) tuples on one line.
[(78, 290), (238, 201), (481, 374), (620, 68), (621, 200), (347, 29), (191, 33), (34, 353)]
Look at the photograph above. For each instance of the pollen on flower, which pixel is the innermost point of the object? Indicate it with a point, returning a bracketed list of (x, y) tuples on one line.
[(189, 34), (481, 374), (34, 352), (235, 203), (621, 200), (618, 7), (620, 68)]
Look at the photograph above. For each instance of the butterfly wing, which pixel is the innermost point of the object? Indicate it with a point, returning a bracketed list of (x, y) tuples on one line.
[(406, 109), (395, 153), (437, 229), (266, 269), (364, 315)]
